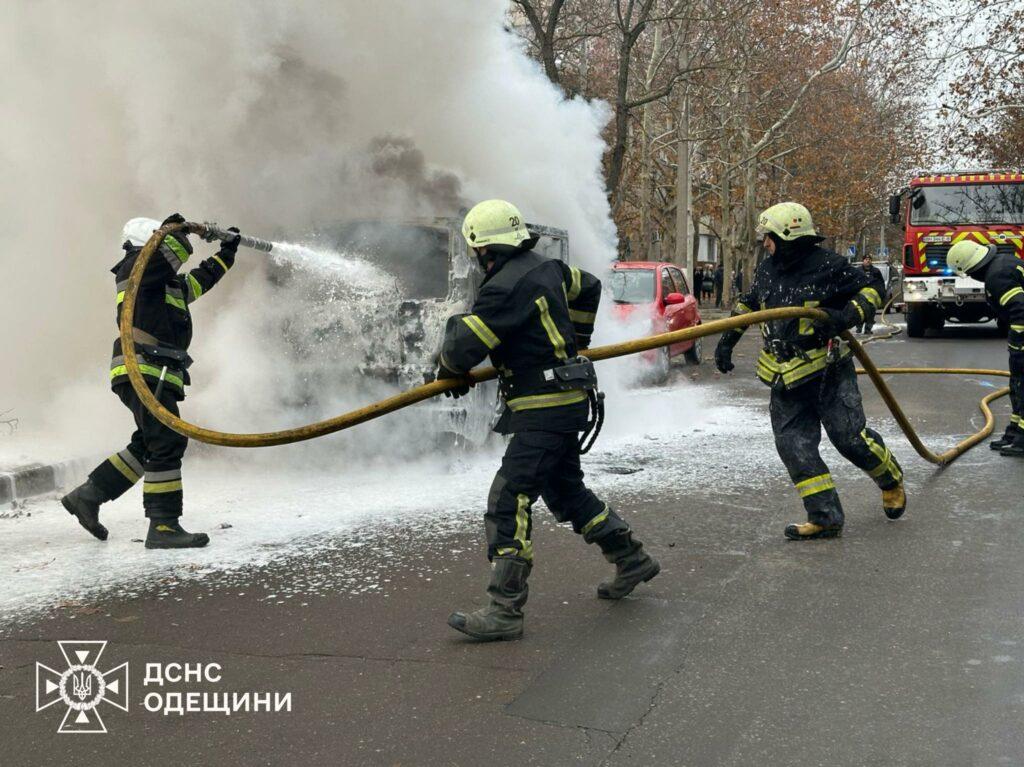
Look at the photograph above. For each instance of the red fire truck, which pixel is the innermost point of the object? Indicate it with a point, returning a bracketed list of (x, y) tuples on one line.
[(939, 210)]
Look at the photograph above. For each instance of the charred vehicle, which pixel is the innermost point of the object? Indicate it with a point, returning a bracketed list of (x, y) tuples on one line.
[(385, 321)]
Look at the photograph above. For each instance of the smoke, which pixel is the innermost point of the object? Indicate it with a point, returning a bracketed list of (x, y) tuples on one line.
[(276, 117)]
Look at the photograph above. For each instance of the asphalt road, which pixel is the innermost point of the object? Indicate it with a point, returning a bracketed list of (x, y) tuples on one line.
[(897, 644)]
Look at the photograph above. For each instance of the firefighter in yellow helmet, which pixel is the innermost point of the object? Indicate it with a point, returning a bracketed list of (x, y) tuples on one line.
[(533, 317), (810, 370), (1003, 276)]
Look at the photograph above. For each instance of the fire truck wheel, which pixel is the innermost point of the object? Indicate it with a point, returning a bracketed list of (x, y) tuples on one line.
[(917, 320)]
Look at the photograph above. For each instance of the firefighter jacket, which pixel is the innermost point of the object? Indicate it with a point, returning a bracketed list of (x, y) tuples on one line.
[(533, 314), (795, 351), (163, 324), (1004, 289)]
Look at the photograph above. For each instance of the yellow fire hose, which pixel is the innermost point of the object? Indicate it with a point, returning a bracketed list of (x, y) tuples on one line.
[(426, 391)]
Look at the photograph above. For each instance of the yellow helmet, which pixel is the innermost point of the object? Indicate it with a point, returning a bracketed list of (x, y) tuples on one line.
[(494, 222), (787, 220), (966, 256)]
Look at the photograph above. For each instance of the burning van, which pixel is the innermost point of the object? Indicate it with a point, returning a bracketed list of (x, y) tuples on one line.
[(390, 323)]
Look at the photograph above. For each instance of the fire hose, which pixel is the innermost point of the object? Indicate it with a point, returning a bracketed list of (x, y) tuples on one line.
[(426, 391)]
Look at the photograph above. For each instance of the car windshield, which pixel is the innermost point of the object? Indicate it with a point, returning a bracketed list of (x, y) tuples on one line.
[(968, 204), (632, 286)]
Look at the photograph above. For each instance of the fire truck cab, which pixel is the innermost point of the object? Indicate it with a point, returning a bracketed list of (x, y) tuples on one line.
[(939, 210)]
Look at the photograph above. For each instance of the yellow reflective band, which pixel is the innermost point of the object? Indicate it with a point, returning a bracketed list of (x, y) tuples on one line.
[(161, 487), (819, 484), (886, 465), (506, 552), (175, 301), (860, 311), (537, 401), (741, 308), (770, 369), (480, 329), (194, 287), (585, 317), (1015, 419), (119, 464), (221, 262), (1017, 328), (523, 526), (1010, 294), (148, 370), (577, 284), (549, 325), (806, 325), (177, 248), (872, 295), (595, 521), (120, 297)]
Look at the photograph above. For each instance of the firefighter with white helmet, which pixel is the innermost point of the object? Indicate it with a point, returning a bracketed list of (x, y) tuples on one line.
[(810, 371), (162, 333), (533, 317), (1003, 276)]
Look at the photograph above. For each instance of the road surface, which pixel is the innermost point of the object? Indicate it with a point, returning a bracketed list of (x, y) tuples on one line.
[(901, 643)]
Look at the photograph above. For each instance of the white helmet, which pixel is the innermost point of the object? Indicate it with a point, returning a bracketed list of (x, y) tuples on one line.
[(966, 256), (139, 230)]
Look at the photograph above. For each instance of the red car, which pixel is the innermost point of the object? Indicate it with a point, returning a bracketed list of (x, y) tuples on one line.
[(660, 290)]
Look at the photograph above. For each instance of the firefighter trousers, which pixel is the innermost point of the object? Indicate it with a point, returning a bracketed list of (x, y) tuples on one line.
[(547, 465), (1017, 388), (154, 454), (832, 401)]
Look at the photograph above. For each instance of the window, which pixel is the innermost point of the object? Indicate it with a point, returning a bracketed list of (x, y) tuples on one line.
[(667, 286), (680, 280), (632, 286), (967, 204)]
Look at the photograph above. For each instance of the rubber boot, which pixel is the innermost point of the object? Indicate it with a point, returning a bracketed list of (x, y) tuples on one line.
[(633, 565), (894, 501), (1007, 439), (1015, 448), (809, 531), (168, 534), (84, 503), (503, 617)]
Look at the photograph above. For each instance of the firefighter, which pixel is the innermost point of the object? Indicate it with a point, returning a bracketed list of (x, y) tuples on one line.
[(1003, 276), (533, 316), (874, 275), (810, 371), (162, 333)]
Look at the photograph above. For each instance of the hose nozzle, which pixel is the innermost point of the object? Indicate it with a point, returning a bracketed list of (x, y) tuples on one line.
[(211, 232)]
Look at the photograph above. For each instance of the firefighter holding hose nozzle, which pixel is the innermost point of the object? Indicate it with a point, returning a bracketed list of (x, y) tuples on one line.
[(162, 332), (533, 317), (1003, 276), (809, 369)]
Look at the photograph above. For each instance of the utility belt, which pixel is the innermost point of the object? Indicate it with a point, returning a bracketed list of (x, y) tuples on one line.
[(165, 363), (784, 365), (571, 382), (164, 356)]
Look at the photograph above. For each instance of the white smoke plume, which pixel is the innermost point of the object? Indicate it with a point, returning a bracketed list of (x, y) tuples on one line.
[(276, 117)]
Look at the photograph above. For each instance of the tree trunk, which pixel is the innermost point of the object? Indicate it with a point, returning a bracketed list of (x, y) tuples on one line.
[(684, 240)]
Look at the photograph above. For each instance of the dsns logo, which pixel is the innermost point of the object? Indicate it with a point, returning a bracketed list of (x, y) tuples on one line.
[(82, 687)]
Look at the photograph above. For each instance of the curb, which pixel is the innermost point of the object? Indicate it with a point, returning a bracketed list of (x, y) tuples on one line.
[(38, 479)]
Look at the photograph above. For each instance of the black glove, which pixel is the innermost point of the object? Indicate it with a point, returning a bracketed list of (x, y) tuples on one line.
[(229, 247), (444, 373), (174, 218), (723, 357), (232, 243), (838, 321)]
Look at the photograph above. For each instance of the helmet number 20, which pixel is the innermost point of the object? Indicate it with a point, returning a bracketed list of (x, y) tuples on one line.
[(514, 221)]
